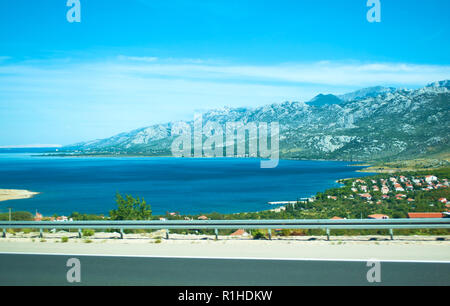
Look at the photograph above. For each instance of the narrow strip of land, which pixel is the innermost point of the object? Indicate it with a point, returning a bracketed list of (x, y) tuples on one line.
[(15, 194)]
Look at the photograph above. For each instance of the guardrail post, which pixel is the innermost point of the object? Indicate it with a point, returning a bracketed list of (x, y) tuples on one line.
[(391, 233), (270, 233), (216, 232), (41, 233), (121, 233), (4, 233), (328, 234), (167, 234), (80, 233)]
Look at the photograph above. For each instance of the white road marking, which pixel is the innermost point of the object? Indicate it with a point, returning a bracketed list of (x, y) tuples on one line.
[(231, 258)]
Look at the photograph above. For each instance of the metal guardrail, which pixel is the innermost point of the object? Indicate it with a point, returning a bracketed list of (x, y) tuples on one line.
[(327, 225)]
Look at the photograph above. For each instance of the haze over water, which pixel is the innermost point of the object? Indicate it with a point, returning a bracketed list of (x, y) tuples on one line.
[(188, 186)]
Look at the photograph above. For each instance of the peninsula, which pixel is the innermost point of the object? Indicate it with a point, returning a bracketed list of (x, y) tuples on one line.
[(15, 194)]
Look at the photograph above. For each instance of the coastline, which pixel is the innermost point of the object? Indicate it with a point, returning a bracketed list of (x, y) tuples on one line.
[(367, 166), (16, 194)]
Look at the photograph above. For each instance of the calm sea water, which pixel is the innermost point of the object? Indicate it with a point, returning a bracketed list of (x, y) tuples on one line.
[(226, 185)]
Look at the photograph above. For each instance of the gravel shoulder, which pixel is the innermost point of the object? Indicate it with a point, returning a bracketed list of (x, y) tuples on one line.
[(422, 248)]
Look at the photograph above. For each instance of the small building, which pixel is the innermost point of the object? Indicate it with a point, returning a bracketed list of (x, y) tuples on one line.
[(366, 196), (430, 178), (443, 200), (240, 232), (203, 218), (337, 218), (38, 217), (398, 187), (378, 216), (425, 215)]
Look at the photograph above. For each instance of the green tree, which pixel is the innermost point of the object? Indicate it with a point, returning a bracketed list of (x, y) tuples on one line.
[(129, 208), (17, 216)]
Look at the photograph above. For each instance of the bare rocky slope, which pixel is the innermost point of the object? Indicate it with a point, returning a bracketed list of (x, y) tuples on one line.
[(368, 125)]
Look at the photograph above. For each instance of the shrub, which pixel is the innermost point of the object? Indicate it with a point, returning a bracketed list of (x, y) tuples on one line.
[(258, 235), (129, 208), (88, 232), (285, 232), (65, 239)]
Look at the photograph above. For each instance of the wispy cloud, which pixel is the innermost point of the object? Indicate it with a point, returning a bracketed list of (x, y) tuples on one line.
[(324, 74), (96, 99), (346, 74), (4, 58), (138, 58), (31, 146)]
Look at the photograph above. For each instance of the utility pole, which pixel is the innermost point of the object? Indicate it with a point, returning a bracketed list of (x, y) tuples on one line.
[(9, 214)]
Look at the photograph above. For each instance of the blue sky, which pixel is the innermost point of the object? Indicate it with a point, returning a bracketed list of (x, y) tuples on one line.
[(133, 63)]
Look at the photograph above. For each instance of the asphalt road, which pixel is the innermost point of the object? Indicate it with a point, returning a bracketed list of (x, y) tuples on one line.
[(44, 269)]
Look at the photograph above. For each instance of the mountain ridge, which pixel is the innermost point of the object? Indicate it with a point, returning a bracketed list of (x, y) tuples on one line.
[(382, 124)]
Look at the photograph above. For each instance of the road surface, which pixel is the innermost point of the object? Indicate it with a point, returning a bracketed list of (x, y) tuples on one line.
[(51, 269)]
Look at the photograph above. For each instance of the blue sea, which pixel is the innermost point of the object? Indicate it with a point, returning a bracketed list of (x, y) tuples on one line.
[(187, 186)]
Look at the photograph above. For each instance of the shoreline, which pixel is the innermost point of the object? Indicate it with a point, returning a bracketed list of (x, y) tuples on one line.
[(367, 166), (16, 194), (351, 162)]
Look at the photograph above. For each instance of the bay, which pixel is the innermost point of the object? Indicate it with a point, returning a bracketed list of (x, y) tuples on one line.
[(184, 185)]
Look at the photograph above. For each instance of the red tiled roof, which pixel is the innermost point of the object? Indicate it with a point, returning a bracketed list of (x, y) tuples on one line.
[(239, 232), (378, 216), (425, 215)]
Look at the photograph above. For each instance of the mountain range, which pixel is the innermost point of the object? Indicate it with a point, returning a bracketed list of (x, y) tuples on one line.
[(370, 124)]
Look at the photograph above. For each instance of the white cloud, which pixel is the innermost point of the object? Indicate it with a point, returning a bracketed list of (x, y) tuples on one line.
[(342, 74), (203, 83), (96, 99), (138, 58)]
